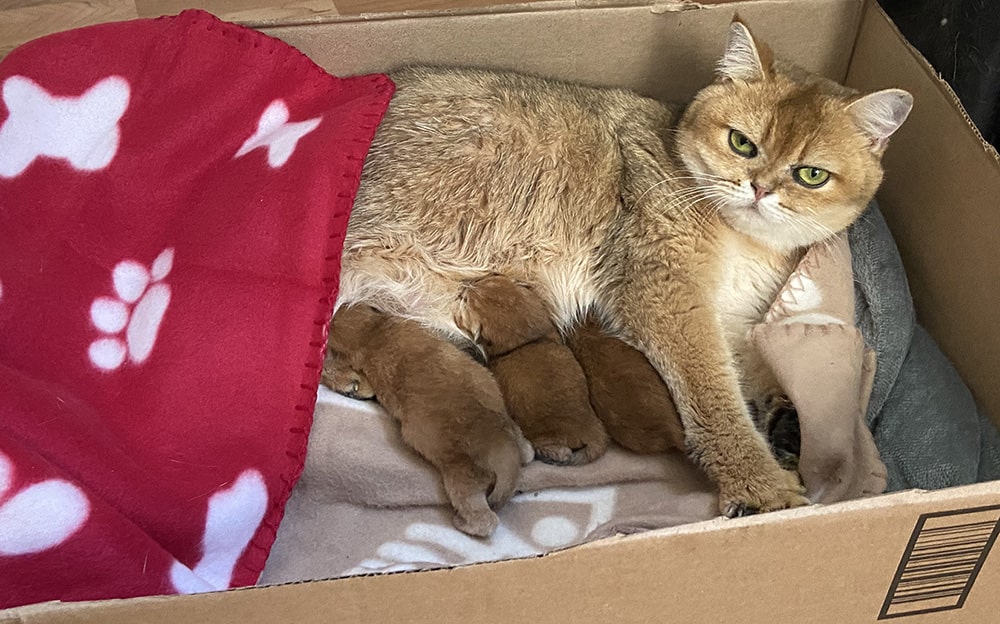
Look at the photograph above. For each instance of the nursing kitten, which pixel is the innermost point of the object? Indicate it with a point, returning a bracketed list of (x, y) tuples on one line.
[(542, 384), (448, 406), (626, 392), (677, 232)]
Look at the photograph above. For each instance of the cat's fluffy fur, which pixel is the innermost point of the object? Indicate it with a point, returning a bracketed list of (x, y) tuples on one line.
[(450, 411), (603, 200), (542, 384)]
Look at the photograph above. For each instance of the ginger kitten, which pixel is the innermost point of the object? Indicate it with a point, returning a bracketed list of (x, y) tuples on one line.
[(450, 412), (628, 396), (678, 233), (542, 384)]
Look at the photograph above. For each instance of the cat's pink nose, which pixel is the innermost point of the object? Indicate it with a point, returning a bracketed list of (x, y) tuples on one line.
[(759, 191)]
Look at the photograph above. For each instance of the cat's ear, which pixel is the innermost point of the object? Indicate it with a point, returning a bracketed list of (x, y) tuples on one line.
[(880, 114), (744, 60)]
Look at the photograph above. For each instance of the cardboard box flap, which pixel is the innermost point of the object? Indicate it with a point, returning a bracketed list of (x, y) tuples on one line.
[(667, 55), (388, 10), (941, 198), (844, 563), (395, 9)]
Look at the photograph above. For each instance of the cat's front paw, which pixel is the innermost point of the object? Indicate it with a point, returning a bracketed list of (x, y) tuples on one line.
[(781, 490)]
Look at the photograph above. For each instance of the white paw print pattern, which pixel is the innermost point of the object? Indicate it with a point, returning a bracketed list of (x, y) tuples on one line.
[(40, 516), (131, 319)]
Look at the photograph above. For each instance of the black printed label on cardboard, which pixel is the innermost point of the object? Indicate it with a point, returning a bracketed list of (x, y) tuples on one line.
[(942, 559)]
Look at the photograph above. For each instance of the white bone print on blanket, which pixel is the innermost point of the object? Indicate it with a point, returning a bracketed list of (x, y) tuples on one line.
[(425, 544), (40, 516), (133, 284), (277, 134), (82, 130), (234, 514)]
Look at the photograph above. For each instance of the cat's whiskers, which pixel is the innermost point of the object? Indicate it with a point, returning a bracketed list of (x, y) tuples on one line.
[(712, 210), (801, 221), (691, 197), (642, 195), (816, 231), (696, 176), (696, 198), (816, 225), (688, 198)]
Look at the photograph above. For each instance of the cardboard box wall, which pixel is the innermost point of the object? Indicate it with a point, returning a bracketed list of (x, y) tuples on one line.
[(835, 564)]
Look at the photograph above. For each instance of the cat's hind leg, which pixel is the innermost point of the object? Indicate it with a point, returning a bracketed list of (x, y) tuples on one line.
[(402, 285)]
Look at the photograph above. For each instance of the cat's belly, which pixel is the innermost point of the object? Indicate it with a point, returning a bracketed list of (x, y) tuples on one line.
[(471, 174), (417, 284)]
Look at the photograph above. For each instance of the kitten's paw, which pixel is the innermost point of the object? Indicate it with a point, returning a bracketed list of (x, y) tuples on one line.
[(555, 453), (783, 491), (571, 451), (524, 447), (479, 523), (347, 382)]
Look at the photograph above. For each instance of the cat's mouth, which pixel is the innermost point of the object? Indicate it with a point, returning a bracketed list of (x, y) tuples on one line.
[(739, 197), (754, 216)]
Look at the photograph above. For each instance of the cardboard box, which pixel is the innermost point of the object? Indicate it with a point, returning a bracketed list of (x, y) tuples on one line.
[(835, 564)]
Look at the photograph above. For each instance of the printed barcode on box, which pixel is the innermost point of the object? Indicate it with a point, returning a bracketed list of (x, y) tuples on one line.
[(941, 561)]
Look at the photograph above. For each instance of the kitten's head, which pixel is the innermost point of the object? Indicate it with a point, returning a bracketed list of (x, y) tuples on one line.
[(787, 157)]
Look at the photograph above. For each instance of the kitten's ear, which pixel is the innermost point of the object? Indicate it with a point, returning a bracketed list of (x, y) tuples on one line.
[(744, 59), (880, 114)]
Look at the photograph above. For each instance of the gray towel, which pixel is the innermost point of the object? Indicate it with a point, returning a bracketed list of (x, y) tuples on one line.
[(923, 417)]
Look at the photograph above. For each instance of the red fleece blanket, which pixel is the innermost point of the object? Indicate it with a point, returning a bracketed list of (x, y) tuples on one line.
[(173, 199)]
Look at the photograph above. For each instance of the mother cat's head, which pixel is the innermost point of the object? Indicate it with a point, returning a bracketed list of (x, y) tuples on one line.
[(787, 157)]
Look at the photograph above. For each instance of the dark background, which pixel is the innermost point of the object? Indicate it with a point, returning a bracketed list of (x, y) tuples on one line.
[(961, 39)]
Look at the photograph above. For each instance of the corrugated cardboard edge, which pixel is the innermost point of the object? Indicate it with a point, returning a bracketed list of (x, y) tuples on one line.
[(655, 6), (902, 505)]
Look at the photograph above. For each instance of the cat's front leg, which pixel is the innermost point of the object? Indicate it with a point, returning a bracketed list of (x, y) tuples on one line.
[(685, 344)]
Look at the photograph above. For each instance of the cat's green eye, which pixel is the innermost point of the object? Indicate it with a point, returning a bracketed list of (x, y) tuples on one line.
[(741, 144), (811, 177)]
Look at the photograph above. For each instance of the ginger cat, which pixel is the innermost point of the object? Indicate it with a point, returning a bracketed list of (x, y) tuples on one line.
[(676, 230)]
